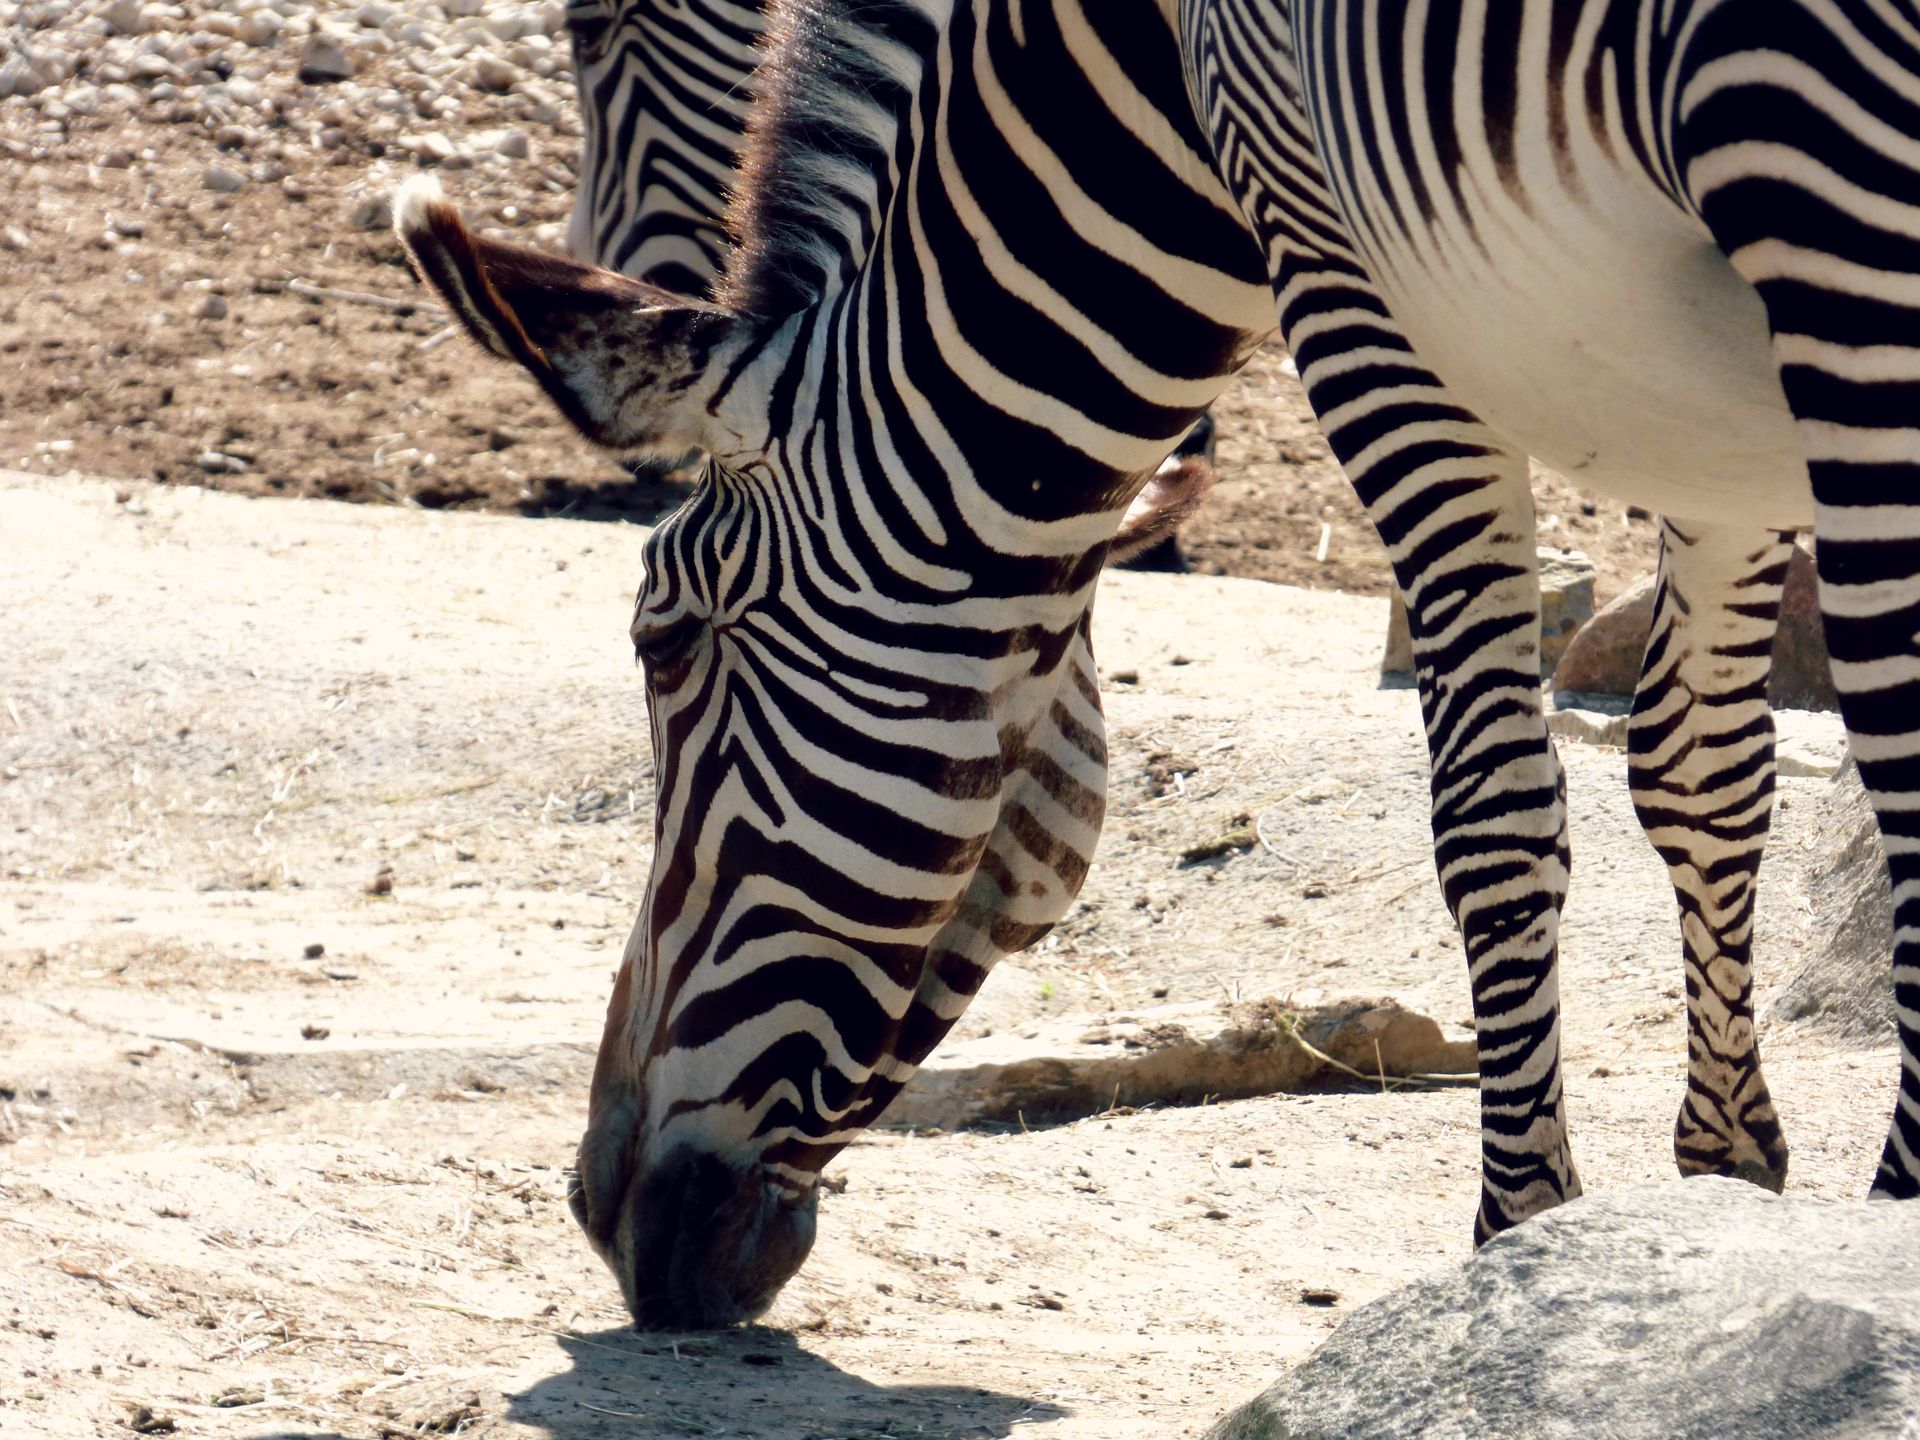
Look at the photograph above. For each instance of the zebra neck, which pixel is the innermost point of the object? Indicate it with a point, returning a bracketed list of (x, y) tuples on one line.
[(1022, 277)]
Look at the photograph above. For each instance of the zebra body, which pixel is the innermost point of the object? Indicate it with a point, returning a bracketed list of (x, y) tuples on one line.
[(1574, 300), (995, 256)]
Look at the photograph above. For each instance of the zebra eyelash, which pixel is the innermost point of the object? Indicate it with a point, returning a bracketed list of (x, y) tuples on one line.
[(659, 651)]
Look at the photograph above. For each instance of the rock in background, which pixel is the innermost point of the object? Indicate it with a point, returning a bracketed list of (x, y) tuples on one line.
[(1604, 658), (1844, 989), (1694, 1309)]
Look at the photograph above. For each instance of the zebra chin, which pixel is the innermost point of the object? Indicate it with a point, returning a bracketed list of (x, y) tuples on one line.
[(696, 1242)]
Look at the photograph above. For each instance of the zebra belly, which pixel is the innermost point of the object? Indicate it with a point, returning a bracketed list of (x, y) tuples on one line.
[(1617, 346)]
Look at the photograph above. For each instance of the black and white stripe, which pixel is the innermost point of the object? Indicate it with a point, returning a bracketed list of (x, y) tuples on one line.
[(665, 90), (994, 258)]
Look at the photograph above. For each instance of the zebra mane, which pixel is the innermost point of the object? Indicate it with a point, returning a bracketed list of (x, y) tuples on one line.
[(814, 177)]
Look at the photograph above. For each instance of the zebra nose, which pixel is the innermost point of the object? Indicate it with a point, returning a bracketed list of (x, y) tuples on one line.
[(707, 1243)]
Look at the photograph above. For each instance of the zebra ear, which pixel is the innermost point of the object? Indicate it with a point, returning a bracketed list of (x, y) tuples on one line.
[(624, 361), (1164, 503)]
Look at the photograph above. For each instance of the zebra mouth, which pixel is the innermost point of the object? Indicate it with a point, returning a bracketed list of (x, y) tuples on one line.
[(697, 1243)]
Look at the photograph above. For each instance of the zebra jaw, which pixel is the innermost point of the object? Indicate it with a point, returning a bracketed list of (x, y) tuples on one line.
[(628, 363)]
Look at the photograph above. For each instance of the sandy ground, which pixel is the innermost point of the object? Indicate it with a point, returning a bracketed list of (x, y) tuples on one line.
[(110, 366), (282, 1157)]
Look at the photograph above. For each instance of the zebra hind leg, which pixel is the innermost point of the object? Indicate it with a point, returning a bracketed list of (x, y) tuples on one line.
[(1701, 773), (1817, 204)]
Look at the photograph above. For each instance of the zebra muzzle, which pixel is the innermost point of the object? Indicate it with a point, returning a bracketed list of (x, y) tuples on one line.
[(697, 1242)]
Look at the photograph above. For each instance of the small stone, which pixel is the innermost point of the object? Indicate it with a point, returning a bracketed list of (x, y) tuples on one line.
[(219, 178), (382, 881), (216, 462), (324, 60), (232, 137), (261, 27), (370, 212), (18, 78), (129, 227), (293, 187), (14, 238), (153, 67), (125, 17), (339, 972), (118, 158), (1592, 727), (490, 72), (314, 951), (210, 307), (314, 1032), (375, 15), (514, 144), (433, 146)]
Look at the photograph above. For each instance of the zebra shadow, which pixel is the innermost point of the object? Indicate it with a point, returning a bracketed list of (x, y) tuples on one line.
[(747, 1384)]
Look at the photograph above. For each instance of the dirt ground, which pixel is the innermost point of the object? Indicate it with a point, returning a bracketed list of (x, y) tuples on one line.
[(282, 1157), (108, 364)]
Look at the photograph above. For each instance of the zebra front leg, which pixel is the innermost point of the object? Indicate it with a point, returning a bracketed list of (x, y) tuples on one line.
[(1452, 502), (1701, 772), (1817, 205), (1499, 800)]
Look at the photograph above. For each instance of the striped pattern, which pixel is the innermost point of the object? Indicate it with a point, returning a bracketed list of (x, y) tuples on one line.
[(665, 90), (994, 258)]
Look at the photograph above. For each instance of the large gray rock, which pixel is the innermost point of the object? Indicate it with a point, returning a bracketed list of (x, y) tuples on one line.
[(1699, 1309), (1844, 989)]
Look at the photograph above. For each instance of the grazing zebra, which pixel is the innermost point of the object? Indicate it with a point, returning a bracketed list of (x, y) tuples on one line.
[(996, 255)]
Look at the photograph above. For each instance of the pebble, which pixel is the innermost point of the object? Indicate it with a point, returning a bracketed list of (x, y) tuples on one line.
[(219, 178), (432, 146), (212, 307), (514, 144), (117, 159), (125, 17), (232, 137), (214, 462), (490, 72), (324, 60), (262, 27)]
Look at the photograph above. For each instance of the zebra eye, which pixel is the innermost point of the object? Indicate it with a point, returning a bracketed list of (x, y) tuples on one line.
[(588, 21), (661, 650)]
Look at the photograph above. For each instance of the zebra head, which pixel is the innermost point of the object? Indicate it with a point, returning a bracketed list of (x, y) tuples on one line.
[(879, 757)]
